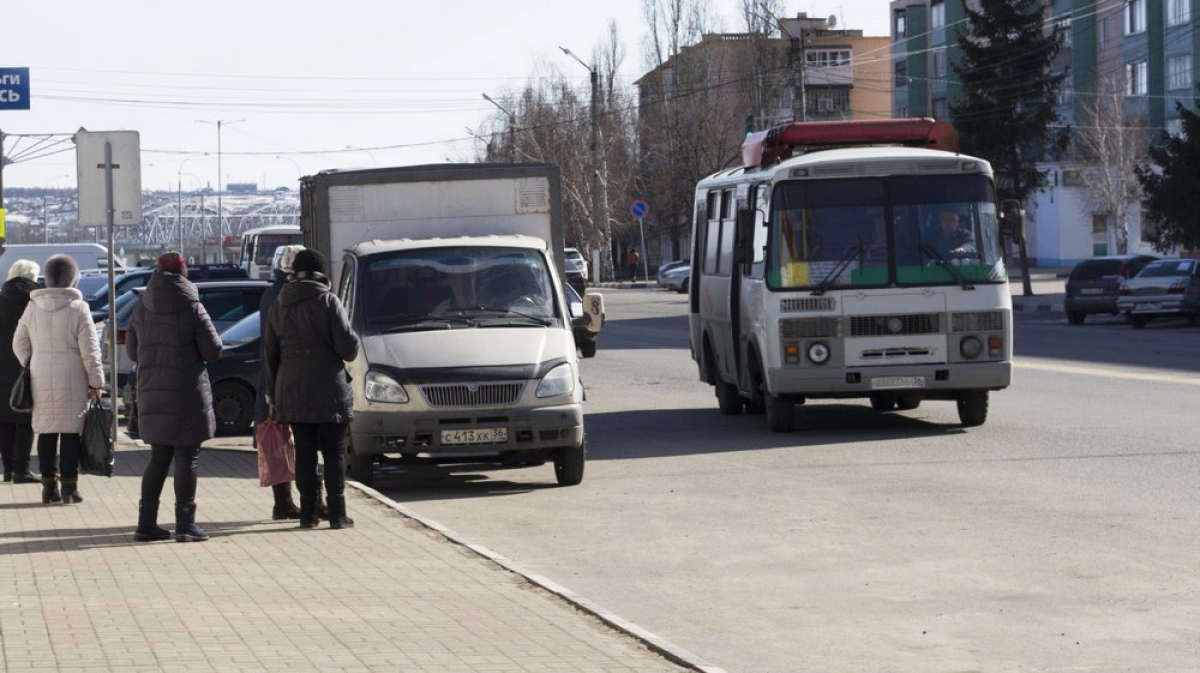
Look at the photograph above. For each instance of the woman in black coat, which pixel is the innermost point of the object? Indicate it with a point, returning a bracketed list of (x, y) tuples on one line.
[(307, 343), (171, 337), (16, 428)]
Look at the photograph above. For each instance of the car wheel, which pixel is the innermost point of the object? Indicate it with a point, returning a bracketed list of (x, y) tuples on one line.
[(568, 464), (1076, 317), (729, 401), (907, 402), (883, 402), (588, 349), (683, 287), (233, 405), (360, 468), (973, 407), (1138, 321)]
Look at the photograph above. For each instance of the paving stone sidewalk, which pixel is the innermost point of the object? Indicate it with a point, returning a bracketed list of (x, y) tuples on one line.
[(78, 594)]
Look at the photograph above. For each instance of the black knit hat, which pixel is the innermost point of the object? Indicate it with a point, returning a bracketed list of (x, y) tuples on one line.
[(309, 261)]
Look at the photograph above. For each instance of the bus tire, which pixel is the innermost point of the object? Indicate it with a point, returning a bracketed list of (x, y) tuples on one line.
[(973, 407), (729, 401), (881, 402), (781, 412)]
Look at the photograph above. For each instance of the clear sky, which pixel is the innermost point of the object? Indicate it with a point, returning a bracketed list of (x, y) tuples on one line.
[(300, 86)]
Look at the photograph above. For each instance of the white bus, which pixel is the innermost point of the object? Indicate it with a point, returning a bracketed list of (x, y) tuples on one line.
[(817, 272), (258, 247)]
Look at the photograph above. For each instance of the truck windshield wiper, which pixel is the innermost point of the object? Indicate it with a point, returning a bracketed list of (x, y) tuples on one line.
[(931, 253), (408, 320), (827, 281), (545, 322)]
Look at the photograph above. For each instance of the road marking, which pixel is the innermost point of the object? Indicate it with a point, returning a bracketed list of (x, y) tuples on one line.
[(1131, 375)]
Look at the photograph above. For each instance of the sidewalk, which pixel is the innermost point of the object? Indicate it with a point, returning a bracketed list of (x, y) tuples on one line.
[(392, 594)]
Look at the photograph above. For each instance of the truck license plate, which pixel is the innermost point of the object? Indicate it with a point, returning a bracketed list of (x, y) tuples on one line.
[(894, 382), (474, 436)]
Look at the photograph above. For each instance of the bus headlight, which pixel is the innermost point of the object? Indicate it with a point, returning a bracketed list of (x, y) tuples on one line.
[(559, 381), (970, 347), (818, 353), (380, 387)]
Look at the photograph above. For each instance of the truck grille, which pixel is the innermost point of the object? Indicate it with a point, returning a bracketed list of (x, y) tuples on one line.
[(894, 325), (457, 395)]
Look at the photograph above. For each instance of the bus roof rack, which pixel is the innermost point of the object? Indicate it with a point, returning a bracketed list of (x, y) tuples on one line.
[(766, 148)]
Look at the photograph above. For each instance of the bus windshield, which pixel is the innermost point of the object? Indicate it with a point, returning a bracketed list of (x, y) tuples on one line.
[(873, 232)]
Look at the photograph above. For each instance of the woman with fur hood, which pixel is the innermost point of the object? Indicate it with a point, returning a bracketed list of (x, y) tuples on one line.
[(56, 339)]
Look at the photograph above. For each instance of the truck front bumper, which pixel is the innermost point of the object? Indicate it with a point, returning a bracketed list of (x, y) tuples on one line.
[(467, 433)]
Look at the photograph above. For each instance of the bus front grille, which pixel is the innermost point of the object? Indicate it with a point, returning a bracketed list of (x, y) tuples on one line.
[(457, 395), (810, 328), (895, 325), (806, 305)]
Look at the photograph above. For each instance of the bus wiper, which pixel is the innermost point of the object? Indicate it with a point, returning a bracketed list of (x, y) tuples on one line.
[(945, 264), (545, 322), (837, 270), (410, 319)]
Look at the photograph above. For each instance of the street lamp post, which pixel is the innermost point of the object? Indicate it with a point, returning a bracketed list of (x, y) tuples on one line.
[(220, 208), (179, 211), (512, 129), (598, 215)]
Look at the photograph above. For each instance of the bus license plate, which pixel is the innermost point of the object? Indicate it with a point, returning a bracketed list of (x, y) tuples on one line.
[(474, 436), (894, 382)]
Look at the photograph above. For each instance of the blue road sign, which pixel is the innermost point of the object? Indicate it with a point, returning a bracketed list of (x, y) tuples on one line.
[(14, 88), (639, 209)]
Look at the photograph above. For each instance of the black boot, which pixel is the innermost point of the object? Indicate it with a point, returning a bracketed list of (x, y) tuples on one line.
[(337, 513), (186, 529), (50, 489), (285, 507), (308, 512), (25, 477), (148, 529), (70, 492)]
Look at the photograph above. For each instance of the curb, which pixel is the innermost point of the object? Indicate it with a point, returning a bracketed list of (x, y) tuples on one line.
[(657, 644)]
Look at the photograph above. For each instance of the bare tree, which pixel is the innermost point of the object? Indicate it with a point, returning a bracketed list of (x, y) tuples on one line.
[(673, 24), (1113, 143)]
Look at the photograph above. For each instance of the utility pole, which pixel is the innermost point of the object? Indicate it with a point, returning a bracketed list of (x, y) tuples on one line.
[(512, 129), (220, 209), (599, 217)]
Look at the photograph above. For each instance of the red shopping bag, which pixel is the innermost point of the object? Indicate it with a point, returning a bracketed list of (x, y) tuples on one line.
[(276, 453)]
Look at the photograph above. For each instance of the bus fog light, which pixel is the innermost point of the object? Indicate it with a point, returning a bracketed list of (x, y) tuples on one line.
[(995, 345), (970, 347), (818, 353)]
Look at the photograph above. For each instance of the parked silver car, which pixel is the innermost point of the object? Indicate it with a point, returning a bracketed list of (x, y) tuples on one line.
[(676, 278), (1164, 288)]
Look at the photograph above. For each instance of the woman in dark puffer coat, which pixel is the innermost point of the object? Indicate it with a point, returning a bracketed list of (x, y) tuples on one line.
[(16, 428), (171, 337), (307, 343)]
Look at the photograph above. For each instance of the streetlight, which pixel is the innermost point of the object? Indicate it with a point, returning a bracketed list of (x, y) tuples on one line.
[(369, 153), (598, 214), (220, 209), (179, 211), (45, 220), (512, 129)]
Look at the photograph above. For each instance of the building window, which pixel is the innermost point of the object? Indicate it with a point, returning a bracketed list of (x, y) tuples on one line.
[(1135, 78), (829, 101), (939, 64), (901, 73), (1175, 128), (1135, 17), (940, 109), (1064, 31), (1179, 72), (1179, 11), (1062, 97), (898, 23), (937, 15), (827, 58), (901, 111)]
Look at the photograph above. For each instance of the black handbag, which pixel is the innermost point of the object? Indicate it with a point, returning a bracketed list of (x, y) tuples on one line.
[(96, 455), (21, 397)]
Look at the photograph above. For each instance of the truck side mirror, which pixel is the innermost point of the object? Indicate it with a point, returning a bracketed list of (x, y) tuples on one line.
[(1012, 219), (743, 237)]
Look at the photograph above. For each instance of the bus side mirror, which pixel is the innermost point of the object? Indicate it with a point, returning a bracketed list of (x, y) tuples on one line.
[(1012, 220), (743, 237)]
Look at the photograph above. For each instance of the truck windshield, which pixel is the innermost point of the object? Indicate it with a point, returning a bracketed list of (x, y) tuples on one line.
[(903, 230), (491, 285)]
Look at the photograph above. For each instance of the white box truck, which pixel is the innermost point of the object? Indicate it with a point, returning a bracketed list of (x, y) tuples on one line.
[(453, 278)]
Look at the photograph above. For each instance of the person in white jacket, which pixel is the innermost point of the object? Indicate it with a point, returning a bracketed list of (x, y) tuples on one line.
[(57, 340)]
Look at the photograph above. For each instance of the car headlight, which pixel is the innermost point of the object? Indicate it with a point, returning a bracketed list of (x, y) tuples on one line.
[(970, 347), (559, 381), (380, 387)]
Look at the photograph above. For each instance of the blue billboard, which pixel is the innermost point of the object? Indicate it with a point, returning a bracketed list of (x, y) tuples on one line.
[(14, 88)]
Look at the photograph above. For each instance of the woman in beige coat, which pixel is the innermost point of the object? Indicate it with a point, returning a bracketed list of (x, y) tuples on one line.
[(56, 339)]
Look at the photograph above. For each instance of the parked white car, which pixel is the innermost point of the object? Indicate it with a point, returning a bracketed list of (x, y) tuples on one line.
[(576, 260)]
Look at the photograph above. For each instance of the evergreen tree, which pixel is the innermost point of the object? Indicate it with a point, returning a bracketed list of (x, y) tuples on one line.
[(1171, 184), (1006, 113)]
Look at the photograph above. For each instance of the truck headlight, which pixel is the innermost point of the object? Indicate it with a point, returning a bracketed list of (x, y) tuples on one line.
[(559, 381), (380, 387)]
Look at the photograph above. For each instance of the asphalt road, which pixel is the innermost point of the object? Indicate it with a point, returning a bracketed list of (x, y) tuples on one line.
[(1061, 535)]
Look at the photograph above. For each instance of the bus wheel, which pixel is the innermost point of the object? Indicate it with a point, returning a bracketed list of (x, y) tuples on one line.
[(781, 412), (973, 407), (728, 399), (880, 402)]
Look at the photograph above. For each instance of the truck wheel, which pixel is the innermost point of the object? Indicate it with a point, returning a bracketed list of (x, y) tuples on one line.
[(973, 408), (728, 399), (360, 468), (568, 464), (880, 402), (907, 402), (588, 349), (781, 412)]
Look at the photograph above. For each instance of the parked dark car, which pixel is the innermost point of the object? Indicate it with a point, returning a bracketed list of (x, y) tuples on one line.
[(98, 299), (1164, 288), (1094, 284)]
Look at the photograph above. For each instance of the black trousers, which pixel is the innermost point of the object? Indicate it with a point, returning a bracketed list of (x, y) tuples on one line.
[(59, 451), (329, 440), (16, 445), (187, 462)]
